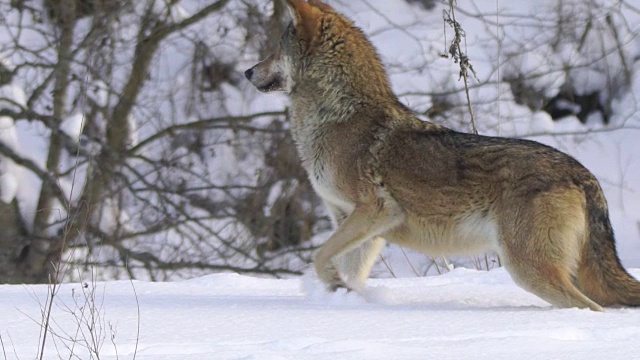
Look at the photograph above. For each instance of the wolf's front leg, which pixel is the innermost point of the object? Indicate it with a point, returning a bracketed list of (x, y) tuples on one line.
[(332, 275), (356, 264), (331, 278), (365, 223)]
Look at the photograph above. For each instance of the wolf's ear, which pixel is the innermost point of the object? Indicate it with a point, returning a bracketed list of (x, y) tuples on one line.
[(322, 6), (305, 17), (299, 10)]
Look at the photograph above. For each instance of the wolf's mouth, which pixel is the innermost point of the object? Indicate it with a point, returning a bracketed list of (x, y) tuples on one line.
[(271, 86)]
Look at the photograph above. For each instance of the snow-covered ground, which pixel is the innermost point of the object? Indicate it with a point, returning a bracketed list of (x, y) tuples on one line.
[(464, 314)]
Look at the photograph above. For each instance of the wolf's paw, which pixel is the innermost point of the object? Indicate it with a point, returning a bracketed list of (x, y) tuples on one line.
[(331, 278), (335, 286), (338, 293)]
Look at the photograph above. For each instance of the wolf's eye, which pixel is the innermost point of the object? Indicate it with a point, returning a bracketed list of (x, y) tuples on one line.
[(291, 29)]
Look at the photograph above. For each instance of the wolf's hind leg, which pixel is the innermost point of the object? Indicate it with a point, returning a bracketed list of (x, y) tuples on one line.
[(364, 224), (552, 284), (540, 245)]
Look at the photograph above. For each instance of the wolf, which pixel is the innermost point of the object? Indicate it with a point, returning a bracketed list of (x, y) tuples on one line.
[(384, 174)]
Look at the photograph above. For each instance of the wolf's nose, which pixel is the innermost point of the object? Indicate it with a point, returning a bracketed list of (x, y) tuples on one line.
[(249, 73)]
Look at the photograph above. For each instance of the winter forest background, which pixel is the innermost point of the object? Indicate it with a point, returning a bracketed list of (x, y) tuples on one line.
[(131, 144)]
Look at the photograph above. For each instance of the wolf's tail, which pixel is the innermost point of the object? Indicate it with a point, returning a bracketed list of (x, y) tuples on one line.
[(600, 274)]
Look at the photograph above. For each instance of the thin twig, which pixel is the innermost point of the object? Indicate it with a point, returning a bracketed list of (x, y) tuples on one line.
[(384, 261), (409, 262), (113, 339), (51, 295), (135, 293), (460, 57), (4, 352), (55, 282), (435, 262)]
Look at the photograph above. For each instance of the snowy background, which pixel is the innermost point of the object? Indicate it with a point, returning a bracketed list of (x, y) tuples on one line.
[(179, 208)]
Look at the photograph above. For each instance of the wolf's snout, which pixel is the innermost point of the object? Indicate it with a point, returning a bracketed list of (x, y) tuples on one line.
[(267, 75), (249, 73)]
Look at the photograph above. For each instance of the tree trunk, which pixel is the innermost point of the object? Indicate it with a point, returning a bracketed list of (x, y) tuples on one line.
[(40, 256), (13, 237)]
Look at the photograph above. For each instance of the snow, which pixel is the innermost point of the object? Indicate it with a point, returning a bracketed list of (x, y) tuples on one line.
[(463, 314), (176, 12), (12, 97), (539, 65), (72, 126), (9, 171), (8, 187)]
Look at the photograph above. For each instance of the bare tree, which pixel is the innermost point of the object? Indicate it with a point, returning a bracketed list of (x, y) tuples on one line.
[(141, 185), (130, 141)]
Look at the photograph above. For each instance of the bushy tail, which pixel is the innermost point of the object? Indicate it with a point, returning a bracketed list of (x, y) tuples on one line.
[(600, 274)]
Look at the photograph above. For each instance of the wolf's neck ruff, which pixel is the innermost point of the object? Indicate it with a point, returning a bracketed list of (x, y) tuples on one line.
[(341, 58), (383, 173)]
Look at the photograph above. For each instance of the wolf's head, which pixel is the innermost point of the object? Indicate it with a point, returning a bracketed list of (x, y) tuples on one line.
[(323, 48)]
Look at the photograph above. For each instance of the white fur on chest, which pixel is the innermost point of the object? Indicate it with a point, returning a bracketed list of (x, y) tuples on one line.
[(309, 135), (325, 186)]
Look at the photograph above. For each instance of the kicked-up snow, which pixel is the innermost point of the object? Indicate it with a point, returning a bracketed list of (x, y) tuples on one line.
[(464, 314)]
